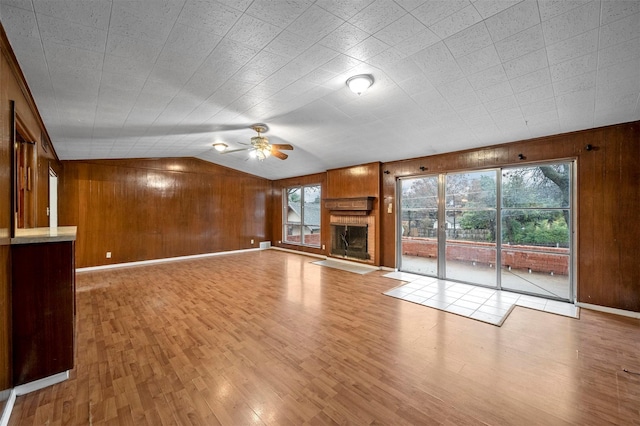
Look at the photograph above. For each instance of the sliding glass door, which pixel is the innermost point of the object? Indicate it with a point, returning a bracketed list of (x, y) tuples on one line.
[(535, 222), (418, 227), (502, 228), (470, 227)]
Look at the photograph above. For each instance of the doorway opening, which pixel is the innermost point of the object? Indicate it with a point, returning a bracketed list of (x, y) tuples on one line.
[(52, 210), (25, 167)]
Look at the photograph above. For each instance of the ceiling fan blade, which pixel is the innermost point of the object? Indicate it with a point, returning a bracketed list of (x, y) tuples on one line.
[(235, 150), (284, 146), (278, 154)]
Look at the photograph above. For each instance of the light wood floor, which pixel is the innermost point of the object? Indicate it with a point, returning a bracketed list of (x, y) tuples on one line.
[(267, 337)]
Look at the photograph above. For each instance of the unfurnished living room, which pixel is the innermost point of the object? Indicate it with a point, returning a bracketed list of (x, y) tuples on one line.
[(270, 212)]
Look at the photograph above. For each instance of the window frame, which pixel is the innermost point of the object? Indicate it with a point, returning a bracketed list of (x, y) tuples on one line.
[(285, 216)]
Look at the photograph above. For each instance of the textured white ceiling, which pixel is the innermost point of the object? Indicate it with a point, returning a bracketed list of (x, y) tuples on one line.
[(151, 78)]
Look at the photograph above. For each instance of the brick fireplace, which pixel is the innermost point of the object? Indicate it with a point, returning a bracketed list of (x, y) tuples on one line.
[(352, 228)]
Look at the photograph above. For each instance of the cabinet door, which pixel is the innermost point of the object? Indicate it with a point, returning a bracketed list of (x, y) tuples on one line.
[(43, 303)]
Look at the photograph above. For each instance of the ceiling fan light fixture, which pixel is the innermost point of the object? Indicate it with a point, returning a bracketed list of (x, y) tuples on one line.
[(259, 140), (260, 153), (220, 146), (358, 84), (262, 147)]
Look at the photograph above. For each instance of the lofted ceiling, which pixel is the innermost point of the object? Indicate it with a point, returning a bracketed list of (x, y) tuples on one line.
[(151, 78)]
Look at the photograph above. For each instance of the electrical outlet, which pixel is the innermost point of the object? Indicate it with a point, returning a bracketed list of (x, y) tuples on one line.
[(323, 247), (108, 255), (251, 242)]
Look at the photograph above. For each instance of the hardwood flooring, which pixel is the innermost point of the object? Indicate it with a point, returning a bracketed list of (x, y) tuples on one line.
[(267, 337)]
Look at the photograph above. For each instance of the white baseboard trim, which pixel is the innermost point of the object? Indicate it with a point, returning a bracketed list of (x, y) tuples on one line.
[(263, 246), (27, 388), (168, 259), (6, 412), (608, 310), (41, 383)]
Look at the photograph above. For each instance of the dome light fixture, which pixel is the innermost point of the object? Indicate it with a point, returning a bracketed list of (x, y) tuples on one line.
[(220, 146), (360, 83)]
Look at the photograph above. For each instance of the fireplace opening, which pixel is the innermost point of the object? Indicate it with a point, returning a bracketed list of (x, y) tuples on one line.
[(350, 241)]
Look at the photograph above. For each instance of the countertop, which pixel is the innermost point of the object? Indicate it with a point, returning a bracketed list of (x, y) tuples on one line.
[(44, 235)]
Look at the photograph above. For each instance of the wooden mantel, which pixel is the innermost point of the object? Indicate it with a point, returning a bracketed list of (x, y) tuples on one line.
[(354, 206)]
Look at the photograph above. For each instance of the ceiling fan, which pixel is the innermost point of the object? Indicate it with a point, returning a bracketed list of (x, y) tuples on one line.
[(260, 147)]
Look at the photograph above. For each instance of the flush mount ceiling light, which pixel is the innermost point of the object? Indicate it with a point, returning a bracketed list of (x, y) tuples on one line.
[(220, 146), (360, 83)]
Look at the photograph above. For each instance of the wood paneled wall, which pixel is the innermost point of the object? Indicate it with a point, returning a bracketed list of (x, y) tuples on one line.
[(359, 181), (5, 222), (608, 209), (276, 224), (347, 182), (355, 181), (13, 87), (608, 202), (159, 208)]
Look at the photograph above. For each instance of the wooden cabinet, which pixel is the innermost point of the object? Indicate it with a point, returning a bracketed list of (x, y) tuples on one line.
[(43, 309)]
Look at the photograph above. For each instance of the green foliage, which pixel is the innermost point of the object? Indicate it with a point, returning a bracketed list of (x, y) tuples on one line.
[(477, 220), (294, 197), (537, 230)]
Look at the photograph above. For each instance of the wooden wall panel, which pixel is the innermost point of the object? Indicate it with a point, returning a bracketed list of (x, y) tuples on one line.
[(359, 181), (355, 181), (276, 211), (609, 272), (43, 310), (5, 318), (348, 182), (5, 223), (13, 88), (608, 202), (159, 208)]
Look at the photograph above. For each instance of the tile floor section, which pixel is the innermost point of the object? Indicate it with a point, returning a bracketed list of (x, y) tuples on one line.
[(483, 304)]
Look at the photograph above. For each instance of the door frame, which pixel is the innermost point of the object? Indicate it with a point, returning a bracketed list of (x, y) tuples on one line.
[(441, 216), (52, 208)]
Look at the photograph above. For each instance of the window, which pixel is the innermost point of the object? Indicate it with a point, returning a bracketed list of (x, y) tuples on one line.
[(301, 216)]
